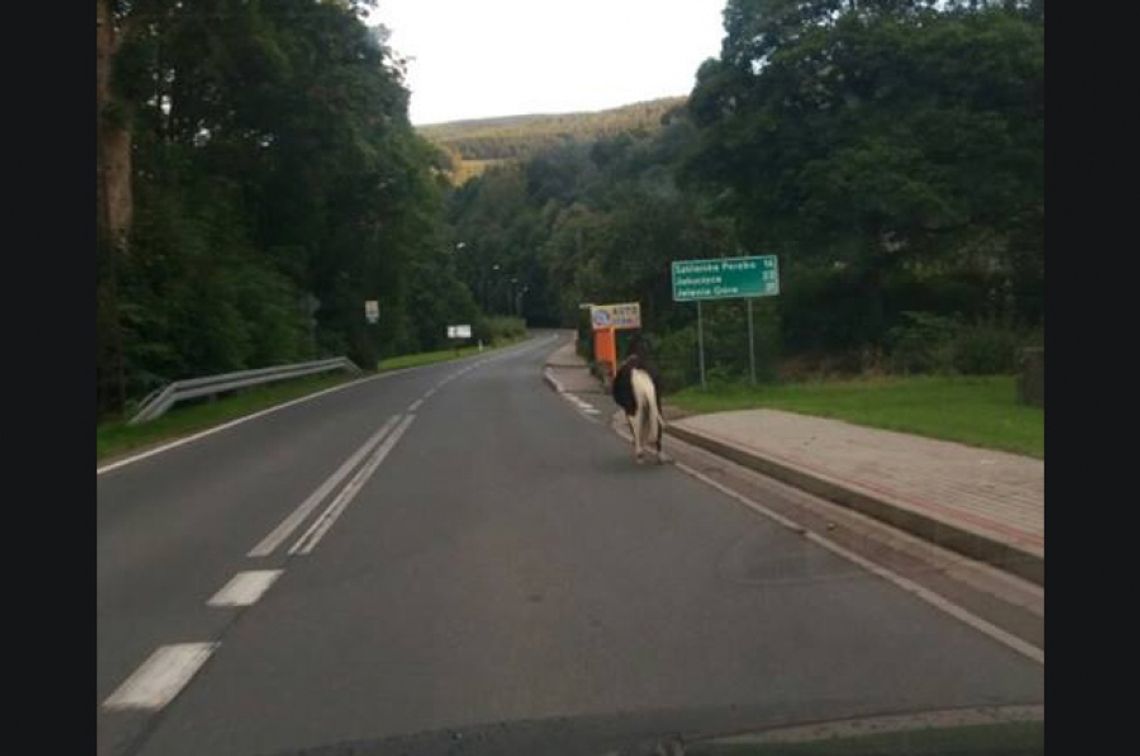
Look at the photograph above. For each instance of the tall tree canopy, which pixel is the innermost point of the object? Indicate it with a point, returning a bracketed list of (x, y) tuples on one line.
[(275, 184), (891, 152), (881, 135)]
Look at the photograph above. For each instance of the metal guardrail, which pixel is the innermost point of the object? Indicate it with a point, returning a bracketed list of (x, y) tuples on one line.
[(160, 400)]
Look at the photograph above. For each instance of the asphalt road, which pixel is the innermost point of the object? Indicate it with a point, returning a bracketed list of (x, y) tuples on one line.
[(497, 564)]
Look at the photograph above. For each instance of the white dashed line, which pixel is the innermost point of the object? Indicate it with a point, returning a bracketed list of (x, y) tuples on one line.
[(161, 677), (245, 588)]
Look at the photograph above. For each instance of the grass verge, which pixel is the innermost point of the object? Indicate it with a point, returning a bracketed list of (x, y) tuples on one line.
[(979, 411), (115, 437)]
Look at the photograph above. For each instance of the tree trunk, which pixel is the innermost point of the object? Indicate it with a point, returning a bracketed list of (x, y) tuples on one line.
[(113, 134), (113, 213)]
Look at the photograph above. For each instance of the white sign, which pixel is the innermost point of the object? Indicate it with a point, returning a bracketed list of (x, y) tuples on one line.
[(372, 310), (624, 315), (459, 332)]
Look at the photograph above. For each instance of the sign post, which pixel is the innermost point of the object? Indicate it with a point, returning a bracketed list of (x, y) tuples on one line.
[(460, 332), (372, 310), (606, 321), (726, 278), (751, 346), (701, 345)]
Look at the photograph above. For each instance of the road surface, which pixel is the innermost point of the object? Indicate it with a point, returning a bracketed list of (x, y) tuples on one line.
[(494, 562)]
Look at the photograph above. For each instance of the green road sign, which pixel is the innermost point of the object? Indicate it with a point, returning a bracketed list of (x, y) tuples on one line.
[(725, 278)]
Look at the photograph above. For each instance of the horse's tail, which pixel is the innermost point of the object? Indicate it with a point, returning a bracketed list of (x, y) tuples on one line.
[(645, 395)]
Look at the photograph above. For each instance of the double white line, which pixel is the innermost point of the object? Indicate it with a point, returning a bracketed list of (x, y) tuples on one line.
[(321, 525)]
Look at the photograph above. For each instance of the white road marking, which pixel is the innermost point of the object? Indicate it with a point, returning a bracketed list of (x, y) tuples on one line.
[(161, 677), (415, 405), (582, 404), (270, 543), (245, 588), (246, 418), (239, 421), (554, 381), (979, 624), (320, 526)]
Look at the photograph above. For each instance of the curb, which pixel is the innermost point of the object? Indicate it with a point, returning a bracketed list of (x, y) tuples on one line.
[(1001, 555), (552, 381)]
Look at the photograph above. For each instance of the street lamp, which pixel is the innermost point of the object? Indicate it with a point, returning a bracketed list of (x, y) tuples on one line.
[(490, 296)]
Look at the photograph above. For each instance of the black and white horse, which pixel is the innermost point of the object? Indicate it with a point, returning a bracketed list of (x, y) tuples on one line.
[(635, 391)]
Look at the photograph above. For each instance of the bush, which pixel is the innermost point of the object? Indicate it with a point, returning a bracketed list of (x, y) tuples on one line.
[(500, 328), (929, 343), (923, 344), (676, 355), (986, 349)]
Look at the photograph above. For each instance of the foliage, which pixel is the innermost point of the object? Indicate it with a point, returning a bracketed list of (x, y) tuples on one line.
[(890, 152), (277, 186)]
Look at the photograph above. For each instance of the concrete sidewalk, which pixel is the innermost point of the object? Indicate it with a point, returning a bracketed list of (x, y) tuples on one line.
[(570, 373), (988, 505)]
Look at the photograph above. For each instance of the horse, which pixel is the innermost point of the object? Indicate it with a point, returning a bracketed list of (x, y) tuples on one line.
[(635, 389)]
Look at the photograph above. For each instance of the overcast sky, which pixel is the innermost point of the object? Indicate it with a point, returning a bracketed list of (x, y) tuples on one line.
[(482, 58)]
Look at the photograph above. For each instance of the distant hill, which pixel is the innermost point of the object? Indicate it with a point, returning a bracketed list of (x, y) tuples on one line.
[(478, 144)]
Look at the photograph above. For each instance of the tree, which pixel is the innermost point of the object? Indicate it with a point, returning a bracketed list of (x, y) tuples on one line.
[(277, 184), (114, 206), (876, 136)]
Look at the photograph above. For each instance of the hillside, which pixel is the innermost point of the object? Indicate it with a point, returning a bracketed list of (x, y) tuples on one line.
[(475, 145)]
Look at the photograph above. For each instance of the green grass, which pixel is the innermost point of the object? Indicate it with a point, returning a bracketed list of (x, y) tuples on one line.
[(443, 355), (1009, 739), (115, 437), (980, 411)]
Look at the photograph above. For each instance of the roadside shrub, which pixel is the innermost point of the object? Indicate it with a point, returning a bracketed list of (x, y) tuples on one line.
[(986, 349), (498, 328), (502, 327), (928, 343), (924, 343), (676, 356)]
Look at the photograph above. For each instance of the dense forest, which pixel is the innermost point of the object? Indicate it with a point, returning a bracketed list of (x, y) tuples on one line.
[(258, 180), (474, 146), (890, 152), (523, 136)]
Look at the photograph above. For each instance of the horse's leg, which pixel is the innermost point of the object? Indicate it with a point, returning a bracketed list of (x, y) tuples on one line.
[(660, 430), (635, 424), (632, 432)]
